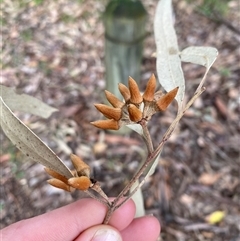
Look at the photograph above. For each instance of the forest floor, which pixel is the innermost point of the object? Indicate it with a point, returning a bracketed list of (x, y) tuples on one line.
[(54, 50)]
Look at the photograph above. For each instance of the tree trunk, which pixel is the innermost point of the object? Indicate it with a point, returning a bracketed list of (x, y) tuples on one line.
[(124, 22)]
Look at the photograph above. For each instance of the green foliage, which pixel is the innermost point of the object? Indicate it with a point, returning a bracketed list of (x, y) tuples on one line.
[(15, 162), (211, 8), (225, 72), (67, 18), (21, 3), (44, 67), (26, 3), (3, 21), (38, 2), (1, 207), (80, 1), (27, 35)]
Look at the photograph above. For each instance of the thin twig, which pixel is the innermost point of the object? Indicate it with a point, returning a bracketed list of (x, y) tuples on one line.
[(115, 204), (108, 215), (147, 137), (140, 171), (103, 201)]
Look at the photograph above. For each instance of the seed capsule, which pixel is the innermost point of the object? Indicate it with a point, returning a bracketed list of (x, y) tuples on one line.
[(124, 91), (109, 112), (81, 183), (81, 167), (113, 100), (59, 184), (165, 100), (106, 124), (134, 113), (136, 97), (150, 89), (56, 175)]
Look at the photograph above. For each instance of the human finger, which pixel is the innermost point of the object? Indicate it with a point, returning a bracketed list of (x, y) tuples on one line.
[(142, 229), (100, 233), (68, 222)]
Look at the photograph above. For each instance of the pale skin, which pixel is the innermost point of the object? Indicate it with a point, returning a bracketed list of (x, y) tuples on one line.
[(81, 221)]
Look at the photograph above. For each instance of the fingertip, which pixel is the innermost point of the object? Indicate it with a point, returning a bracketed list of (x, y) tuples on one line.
[(140, 228), (123, 216), (153, 223), (100, 233)]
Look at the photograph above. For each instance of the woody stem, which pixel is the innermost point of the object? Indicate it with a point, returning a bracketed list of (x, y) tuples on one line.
[(147, 137)]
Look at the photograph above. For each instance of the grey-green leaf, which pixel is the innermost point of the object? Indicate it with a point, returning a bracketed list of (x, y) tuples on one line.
[(204, 56), (138, 200), (28, 143), (136, 127), (169, 68), (25, 103)]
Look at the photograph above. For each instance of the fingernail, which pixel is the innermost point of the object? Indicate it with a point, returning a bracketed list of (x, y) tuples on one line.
[(106, 235)]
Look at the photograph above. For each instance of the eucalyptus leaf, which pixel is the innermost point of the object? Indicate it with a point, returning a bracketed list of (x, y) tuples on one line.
[(204, 56), (136, 127), (25, 103), (151, 169), (169, 68), (28, 143), (138, 200)]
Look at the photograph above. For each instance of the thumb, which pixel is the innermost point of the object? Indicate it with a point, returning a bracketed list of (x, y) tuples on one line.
[(100, 233)]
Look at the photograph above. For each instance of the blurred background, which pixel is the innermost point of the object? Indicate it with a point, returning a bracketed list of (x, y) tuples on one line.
[(54, 51)]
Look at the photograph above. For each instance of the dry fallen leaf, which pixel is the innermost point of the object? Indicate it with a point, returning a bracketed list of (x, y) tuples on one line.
[(209, 178), (186, 199), (215, 217), (99, 148)]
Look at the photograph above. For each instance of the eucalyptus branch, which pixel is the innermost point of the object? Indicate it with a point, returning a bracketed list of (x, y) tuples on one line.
[(109, 214), (160, 147), (103, 201), (151, 157), (127, 188), (149, 145), (103, 197), (64, 178), (146, 136), (115, 204), (148, 141)]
